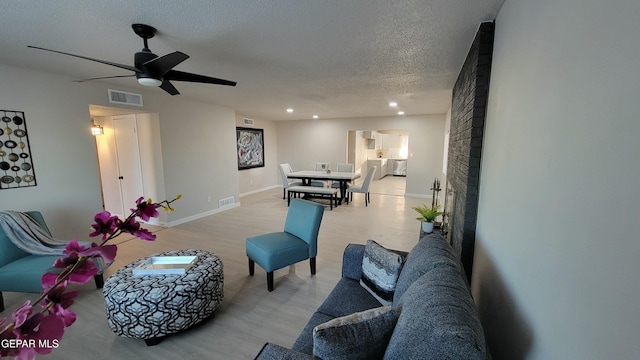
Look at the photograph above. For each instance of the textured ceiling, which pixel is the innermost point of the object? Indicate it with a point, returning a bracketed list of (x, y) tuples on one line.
[(333, 58)]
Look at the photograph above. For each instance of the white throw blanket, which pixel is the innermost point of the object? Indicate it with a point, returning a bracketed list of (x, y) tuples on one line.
[(26, 234)]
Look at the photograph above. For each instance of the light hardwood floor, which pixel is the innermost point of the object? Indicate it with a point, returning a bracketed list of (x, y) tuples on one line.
[(249, 315)]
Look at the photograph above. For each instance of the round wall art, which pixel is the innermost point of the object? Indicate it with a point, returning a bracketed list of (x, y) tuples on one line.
[(14, 141)]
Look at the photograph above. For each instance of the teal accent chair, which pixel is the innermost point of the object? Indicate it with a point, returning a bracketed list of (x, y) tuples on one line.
[(298, 241), (21, 271)]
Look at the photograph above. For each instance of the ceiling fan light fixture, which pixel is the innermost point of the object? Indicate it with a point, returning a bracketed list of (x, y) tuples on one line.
[(146, 81), (151, 69)]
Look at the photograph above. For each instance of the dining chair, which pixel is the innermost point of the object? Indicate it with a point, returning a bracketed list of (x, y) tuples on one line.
[(286, 182), (342, 167), (363, 187), (320, 166), (298, 241)]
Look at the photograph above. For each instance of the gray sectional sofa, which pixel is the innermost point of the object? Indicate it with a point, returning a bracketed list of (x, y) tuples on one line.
[(437, 317)]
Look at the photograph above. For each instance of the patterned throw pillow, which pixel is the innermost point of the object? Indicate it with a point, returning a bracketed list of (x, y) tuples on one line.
[(361, 335), (380, 271)]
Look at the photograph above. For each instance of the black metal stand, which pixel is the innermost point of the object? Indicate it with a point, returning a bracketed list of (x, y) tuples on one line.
[(435, 190)]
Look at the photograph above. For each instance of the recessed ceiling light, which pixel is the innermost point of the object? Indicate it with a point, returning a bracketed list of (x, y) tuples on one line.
[(315, 116), (400, 112), (289, 110), (393, 104)]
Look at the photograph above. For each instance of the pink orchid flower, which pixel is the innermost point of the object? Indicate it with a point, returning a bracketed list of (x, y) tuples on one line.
[(146, 209), (85, 271), (131, 226), (22, 313), (74, 249), (60, 301), (44, 329), (105, 224)]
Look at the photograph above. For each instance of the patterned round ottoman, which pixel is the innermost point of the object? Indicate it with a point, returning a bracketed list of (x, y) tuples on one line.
[(150, 307)]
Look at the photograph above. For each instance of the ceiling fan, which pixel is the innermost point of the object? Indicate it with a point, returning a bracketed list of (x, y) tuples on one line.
[(151, 69)]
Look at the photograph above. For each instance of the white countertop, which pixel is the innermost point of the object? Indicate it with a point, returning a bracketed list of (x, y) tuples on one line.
[(387, 159)]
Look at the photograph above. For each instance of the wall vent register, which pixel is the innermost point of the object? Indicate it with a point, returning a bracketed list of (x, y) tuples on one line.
[(123, 97)]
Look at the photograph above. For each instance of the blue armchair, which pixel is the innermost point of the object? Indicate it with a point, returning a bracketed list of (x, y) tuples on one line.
[(21, 271), (298, 241)]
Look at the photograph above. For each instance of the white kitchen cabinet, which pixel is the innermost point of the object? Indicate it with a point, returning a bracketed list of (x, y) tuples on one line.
[(382, 141), (371, 139), (369, 134)]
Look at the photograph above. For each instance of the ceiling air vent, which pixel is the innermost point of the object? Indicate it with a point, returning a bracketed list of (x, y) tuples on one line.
[(123, 97), (248, 121)]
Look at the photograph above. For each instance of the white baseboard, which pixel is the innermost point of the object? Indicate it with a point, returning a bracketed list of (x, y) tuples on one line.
[(259, 190), (201, 215), (424, 196), (155, 221), (152, 221)]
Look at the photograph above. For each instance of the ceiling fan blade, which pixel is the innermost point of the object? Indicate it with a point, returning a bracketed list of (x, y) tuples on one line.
[(184, 76), (122, 66), (103, 77), (168, 87), (161, 65)]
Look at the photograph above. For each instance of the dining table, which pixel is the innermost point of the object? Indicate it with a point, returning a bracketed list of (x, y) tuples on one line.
[(343, 178)]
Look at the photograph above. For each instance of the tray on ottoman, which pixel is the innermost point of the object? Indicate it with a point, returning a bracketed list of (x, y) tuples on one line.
[(159, 265)]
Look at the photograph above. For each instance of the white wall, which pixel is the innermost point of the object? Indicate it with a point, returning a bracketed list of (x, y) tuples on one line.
[(557, 243), (198, 142), (302, 143), (62, 148), (198, 152), (445, 153), (262, 178)]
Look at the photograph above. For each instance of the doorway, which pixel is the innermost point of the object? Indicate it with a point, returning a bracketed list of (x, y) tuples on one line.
[(125, 134), (384, 149), (130, 160)]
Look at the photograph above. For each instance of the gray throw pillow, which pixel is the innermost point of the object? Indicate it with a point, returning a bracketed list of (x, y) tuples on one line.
[(361, 335), (380, 271)]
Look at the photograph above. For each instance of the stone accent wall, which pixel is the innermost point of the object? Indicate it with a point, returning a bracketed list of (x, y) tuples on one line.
[(468, 113)]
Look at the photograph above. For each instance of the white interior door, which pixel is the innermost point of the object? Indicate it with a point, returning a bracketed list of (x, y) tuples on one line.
[(128, 160)]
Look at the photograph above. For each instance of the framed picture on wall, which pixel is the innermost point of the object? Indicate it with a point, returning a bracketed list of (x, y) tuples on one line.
[(16, 161), (250, 148)]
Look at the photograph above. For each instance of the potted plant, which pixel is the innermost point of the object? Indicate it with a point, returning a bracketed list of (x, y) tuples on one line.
[(427, 215)]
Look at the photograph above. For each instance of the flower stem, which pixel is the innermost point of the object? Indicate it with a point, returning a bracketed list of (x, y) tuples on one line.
[(70, 269)]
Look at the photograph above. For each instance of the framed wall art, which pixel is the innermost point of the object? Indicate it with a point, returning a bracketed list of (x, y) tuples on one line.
[(16, 163), (250, 148)]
